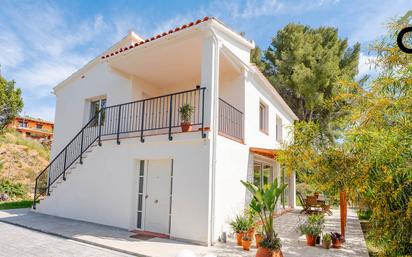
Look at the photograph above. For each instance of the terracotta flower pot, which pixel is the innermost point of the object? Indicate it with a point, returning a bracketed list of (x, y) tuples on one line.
[(264, 252), (311, 240), (326, 245), (258, 238), (246, 244), (251, 233), (239, 238), (336, 243), (186, 126)]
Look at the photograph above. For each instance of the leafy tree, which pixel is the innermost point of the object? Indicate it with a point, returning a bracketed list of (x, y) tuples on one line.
[(11, 102), (373, 160), (307, 67), (256, 57)]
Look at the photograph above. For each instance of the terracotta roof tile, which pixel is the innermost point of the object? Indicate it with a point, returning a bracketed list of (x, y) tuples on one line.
[(156, 37)]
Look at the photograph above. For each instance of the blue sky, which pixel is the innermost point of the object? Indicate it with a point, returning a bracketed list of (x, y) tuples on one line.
[(43, 42)]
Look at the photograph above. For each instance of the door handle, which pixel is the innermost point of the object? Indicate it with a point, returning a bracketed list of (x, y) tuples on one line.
[(156, 201), (146, 196)]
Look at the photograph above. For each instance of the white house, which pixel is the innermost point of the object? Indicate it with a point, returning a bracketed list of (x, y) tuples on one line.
[(120, 158)]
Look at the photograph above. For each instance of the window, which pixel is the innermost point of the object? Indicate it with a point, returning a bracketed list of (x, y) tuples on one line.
[(262, 174), (39, 126), (140, 195), (23, 124), (95, 107), (263, 116), (279, 129)]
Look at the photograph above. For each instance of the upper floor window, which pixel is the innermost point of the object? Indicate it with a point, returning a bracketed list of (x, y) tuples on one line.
[(95, 107), (263, 117), (279, 129), (39, 126), (23, 124)]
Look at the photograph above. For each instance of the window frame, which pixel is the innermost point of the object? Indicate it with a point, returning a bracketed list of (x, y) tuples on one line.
[(261, 165), (91, 102), (263, 117), (279, 129), (23, 124)]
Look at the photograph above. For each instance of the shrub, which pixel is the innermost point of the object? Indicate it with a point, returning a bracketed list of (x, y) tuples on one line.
[(12, 189), (240, 224), (313, 225), (327, 238)]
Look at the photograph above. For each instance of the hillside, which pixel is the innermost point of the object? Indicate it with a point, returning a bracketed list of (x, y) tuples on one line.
[(21, 159)]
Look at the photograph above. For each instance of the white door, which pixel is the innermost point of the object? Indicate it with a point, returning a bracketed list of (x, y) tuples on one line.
[(158, 196)]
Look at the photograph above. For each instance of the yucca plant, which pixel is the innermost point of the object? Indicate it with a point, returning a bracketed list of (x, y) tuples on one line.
[(264, 204)]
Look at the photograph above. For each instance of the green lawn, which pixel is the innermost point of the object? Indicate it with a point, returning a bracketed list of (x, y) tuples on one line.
[(16, 204)]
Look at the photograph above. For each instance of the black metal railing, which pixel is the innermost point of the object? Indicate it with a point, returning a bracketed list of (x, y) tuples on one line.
[(230, 120), (157, 113)]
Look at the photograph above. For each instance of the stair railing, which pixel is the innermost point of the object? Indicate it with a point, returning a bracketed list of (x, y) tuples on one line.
[(157, 113)]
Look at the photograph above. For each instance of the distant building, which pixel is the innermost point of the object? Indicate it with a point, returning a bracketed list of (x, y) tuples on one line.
[(34, 128)]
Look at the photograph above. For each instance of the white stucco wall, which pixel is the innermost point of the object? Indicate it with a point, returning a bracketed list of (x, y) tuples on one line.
[(255, 92), (231, 167), (104, 189), (241, 50), (71, 100), (231, 89)]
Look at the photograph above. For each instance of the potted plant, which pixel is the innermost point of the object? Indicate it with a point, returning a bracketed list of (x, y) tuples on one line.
[(312, 228), (250, 214), (326, 241), (259, 236), (264, 204), (186, 112), (337, 239), (246, 242), (239, 226)]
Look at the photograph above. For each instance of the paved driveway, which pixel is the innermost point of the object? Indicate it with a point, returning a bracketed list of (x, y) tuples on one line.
[(18, 241)]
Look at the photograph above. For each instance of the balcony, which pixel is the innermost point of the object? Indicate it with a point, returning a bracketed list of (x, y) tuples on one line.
[(230, 121)]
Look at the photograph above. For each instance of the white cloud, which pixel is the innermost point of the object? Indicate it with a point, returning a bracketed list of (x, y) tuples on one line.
[(46, 50), (256, 8), (11, 52), (370, 25), (45, 112)]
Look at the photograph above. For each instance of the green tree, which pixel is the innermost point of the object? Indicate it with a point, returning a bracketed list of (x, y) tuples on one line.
[(11, 102), (256, 57), (307, 66), (373, 160)]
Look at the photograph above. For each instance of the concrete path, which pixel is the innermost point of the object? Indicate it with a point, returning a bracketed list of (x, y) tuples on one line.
[(118, 239), (17, 241)]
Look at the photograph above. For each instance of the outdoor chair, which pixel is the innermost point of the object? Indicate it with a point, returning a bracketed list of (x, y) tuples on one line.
[(304, 204), (326, 209), (312, 202)]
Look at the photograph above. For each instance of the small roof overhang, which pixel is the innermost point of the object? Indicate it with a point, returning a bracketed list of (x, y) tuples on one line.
[(270, 153)]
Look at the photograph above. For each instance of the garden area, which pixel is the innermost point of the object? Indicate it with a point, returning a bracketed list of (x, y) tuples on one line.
[(353, 140)]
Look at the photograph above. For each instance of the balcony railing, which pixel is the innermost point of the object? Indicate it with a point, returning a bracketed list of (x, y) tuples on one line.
[(230, 120), (140, 118), (157, 113)]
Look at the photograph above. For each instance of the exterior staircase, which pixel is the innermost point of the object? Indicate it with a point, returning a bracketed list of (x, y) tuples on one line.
[(137, 118)]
